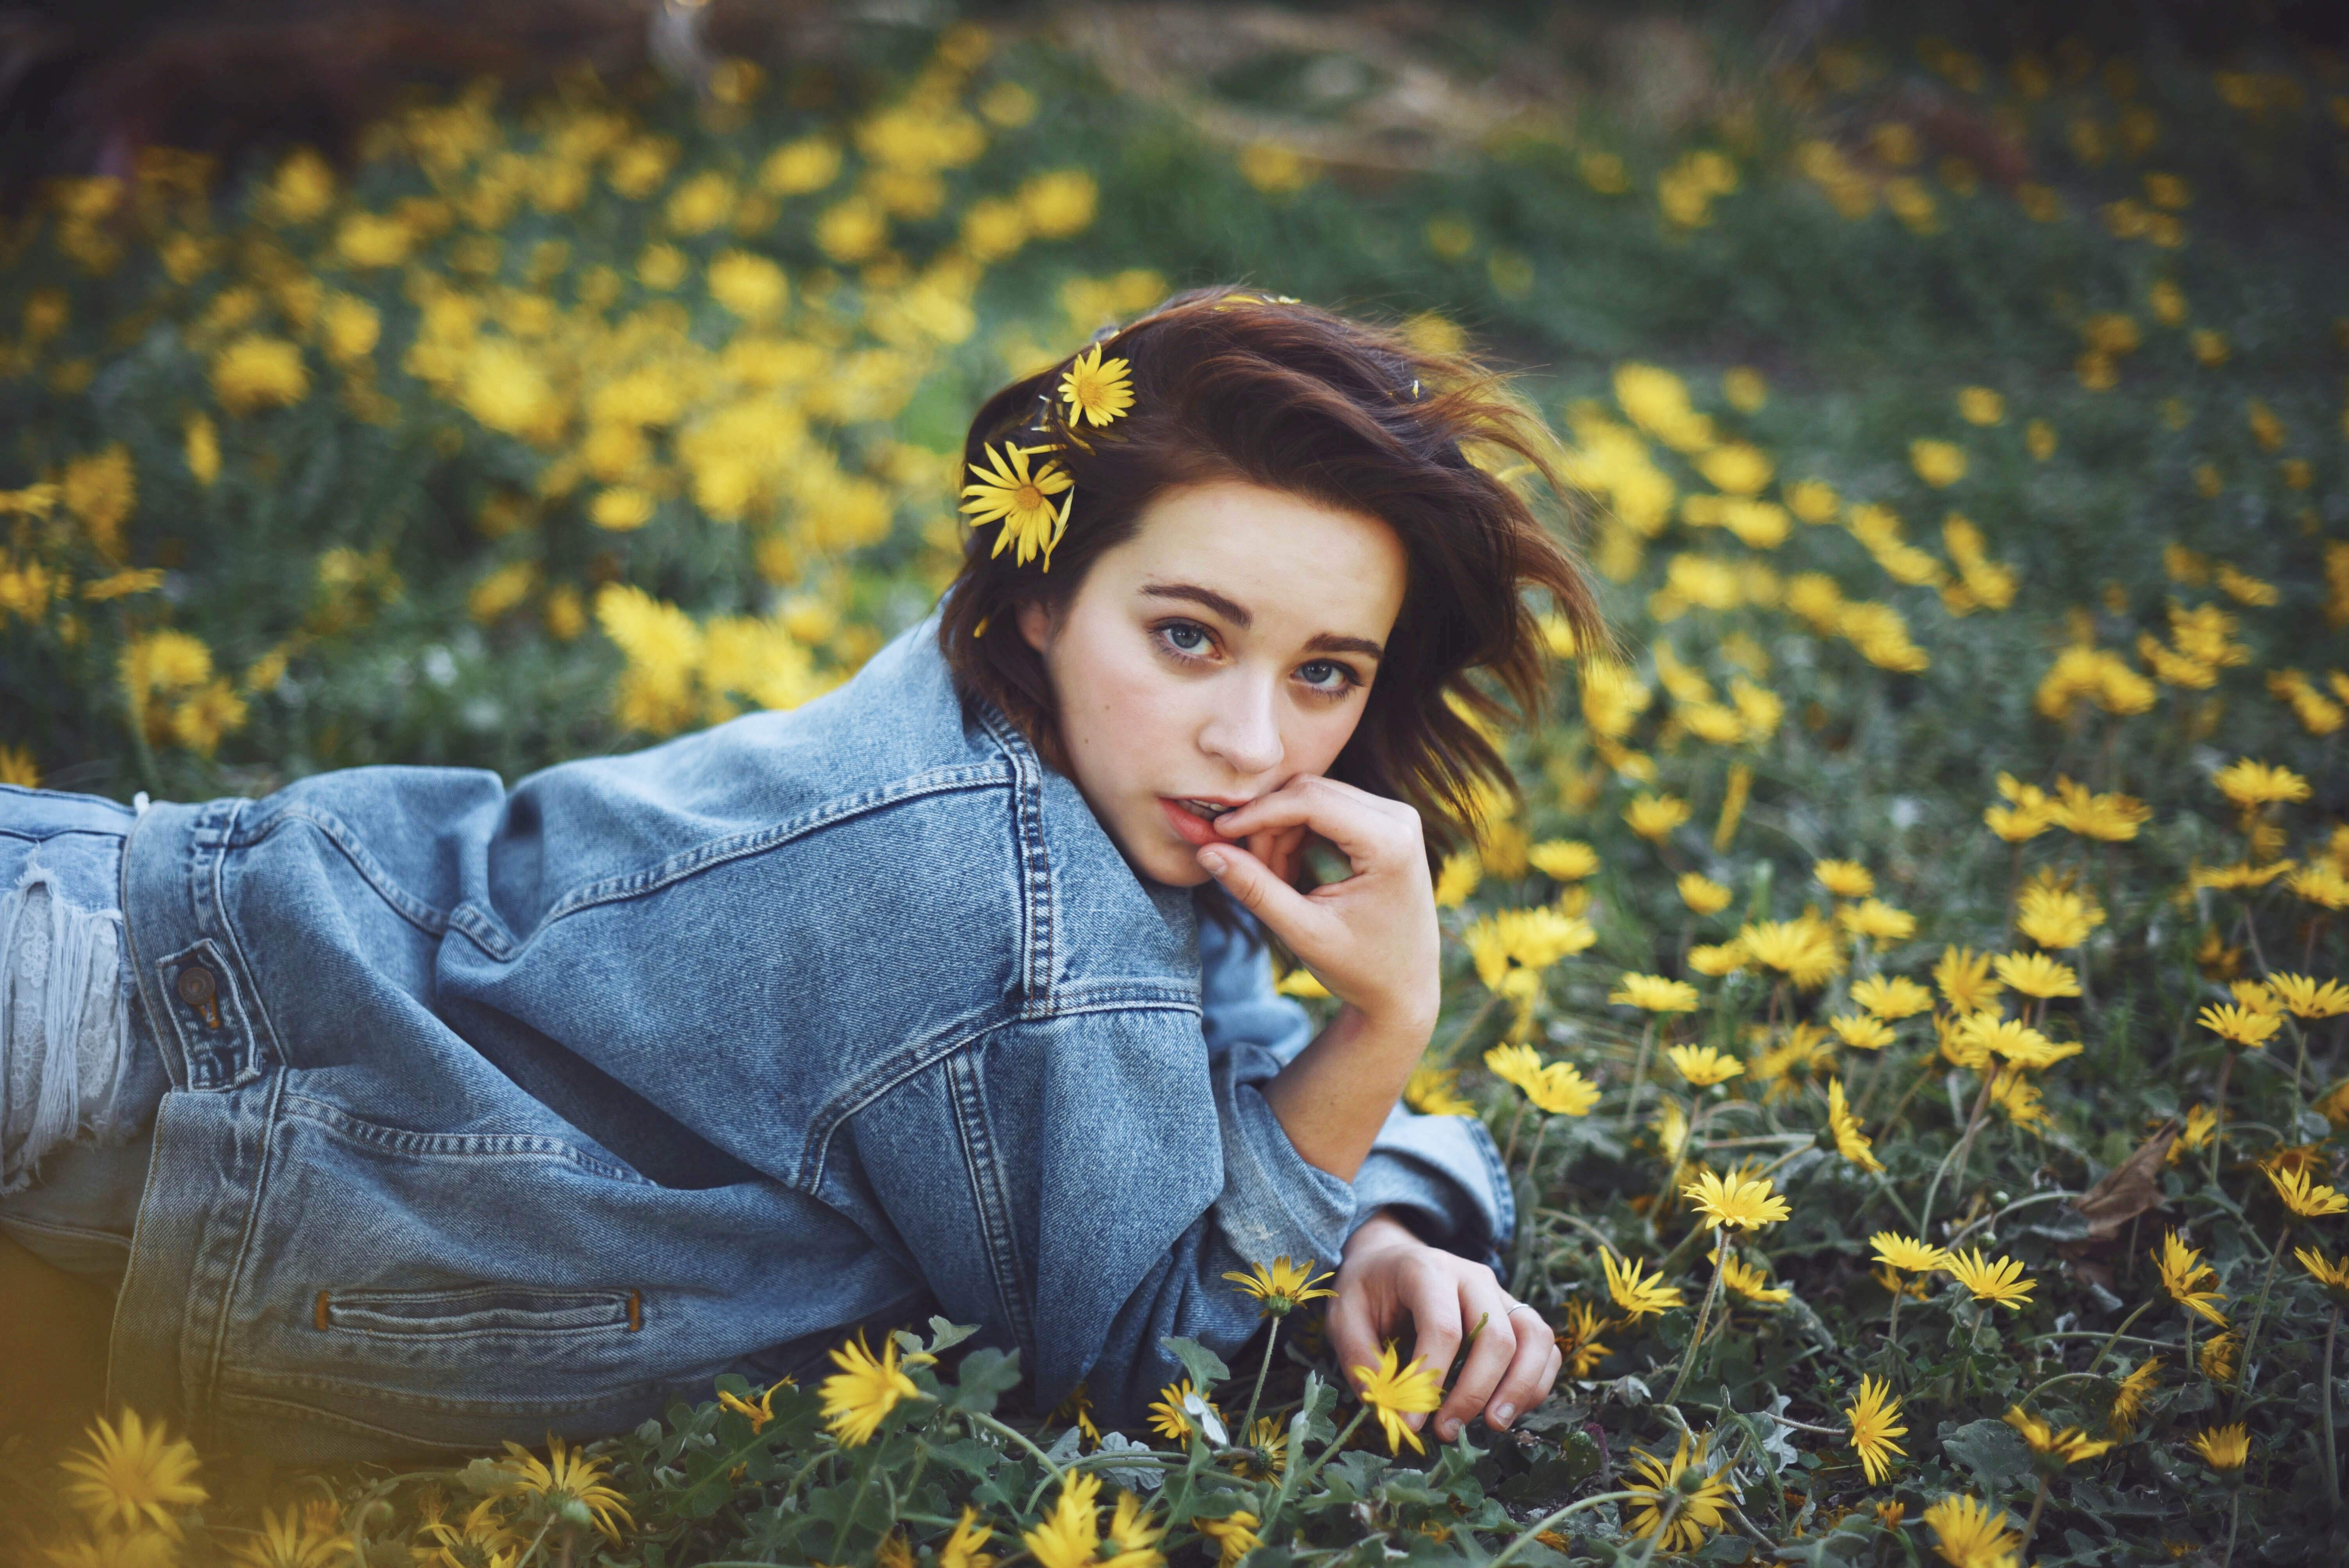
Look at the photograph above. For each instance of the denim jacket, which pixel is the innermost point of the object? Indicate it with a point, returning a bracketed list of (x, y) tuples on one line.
[(502, 1111)]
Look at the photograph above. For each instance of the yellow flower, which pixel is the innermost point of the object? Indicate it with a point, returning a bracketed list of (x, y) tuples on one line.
[(1877, 920), (2224, 1449), (2239, 1026), (1742, 1203), (287, 1541), (1578, 1342), (2217, 1357), (1641, 1297), (961, 1549), (1132, 1534), (1457, 878), (2036, 975), (1900, 1252), (1861, 1032), (1718, 958), (1938, 463), (256, 371), (863, 1390), (1095, 390), (1702, 894), (1891, 997), (1069, 1536), (2333, 1276), (758, 1415), (752, 286), (348, 328), (1704, 1066), (2069, 1447), (797, 168), (1845, 879), (2184, 1276), (368, 240), (1654, 993), (1971, 1534), (2129, 1397), (1747, 1281), (1020, 502), (2001, 1280), (1394, 1392), (1168, 1418), (1280, 1286), (2307, 998), (2055, 916), (1700, 1497), (1802, 949), (1557, 1088), (1654, 816), (567, 1478), (1872, 1414), (1851, 1140), (203, 449), (1434, 1092), (1563, 860), (2310, 1203), (2252, 785), (621, 508), (133, 1474), (1513, 947), (1058, 203), (1980, 406), (1964, 978), (1234, 1534), (2110, 818)]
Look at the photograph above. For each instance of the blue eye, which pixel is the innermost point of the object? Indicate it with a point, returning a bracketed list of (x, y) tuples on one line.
[(1185, 636), (1325, 676)]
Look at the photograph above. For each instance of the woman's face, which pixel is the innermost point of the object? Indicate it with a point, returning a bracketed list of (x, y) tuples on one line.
[(1226, 648)]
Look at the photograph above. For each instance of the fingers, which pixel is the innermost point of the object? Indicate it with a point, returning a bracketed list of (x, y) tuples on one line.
[(1437, 1327), (1491, 1354), (1531, 1371), (1355, 1334), (1290, 915), (1364, 828)]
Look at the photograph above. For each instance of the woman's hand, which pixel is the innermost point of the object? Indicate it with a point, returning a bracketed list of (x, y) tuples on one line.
[(1370, 938), (1387, 1273)]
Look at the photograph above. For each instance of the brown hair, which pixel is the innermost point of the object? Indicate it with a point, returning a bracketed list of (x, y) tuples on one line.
[(1229, 385)]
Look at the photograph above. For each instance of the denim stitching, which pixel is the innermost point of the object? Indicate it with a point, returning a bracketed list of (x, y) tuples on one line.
[(994, 1205)]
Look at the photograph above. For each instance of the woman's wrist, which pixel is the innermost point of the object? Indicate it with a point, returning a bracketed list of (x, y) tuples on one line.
[(1376, 1234)]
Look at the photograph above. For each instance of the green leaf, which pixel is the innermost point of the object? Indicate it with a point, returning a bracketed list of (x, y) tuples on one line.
[(985, 1377), (1206, 1368), (1993, 1450)]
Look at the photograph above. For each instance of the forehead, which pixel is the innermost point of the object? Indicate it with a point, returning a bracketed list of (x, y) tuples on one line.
[(1299, 566)]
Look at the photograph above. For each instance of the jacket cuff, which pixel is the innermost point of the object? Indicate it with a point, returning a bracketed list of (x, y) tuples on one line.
[(1444, 1178), (1274, 1203)]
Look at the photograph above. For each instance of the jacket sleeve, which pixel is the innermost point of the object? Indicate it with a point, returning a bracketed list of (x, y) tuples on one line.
[(1440, 1174)]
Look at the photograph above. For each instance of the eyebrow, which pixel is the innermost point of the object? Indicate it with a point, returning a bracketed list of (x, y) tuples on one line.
[(1237, 614)]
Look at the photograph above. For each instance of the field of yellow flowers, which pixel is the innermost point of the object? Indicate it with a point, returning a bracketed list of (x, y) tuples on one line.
[(1910, 990)]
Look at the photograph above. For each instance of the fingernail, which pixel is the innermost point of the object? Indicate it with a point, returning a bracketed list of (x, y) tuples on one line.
[(1214, 860), (1449, 1430), (1505, 1414)]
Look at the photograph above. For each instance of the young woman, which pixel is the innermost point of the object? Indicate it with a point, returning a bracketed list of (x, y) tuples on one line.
[(457, 1113)]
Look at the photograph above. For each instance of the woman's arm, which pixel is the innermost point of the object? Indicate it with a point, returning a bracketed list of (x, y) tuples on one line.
[(1371, 938)]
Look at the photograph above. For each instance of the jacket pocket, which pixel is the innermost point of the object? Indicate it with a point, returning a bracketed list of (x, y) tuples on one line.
[(487, 1312)]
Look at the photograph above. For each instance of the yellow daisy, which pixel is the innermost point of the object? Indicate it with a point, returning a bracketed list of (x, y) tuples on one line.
[(1872, 1414), (1009, 493), (864, 1390), (1394, 1392), (133, 1474), (1095, 390)]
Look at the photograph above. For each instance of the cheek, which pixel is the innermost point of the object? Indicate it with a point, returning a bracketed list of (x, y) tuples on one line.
[(1313, 739), (1117, 711)]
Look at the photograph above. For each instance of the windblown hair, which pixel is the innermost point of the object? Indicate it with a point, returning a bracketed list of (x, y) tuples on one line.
[(1230, 386)]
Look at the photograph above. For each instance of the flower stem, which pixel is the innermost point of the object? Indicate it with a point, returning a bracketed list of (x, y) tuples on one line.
[(1016, 1436), (1537, 1526), (1956, 1156), (2331, 1459), (1290, 1479), (2219, 1106), (2031, 1525), (1696, 1338), (1248, 1422), (2258, 1312), (1638, 1073)]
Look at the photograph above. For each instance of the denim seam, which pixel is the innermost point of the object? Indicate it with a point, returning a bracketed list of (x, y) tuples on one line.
[(260, 1011), (425, 917), (176, 1070), (299, 1107), (986, 1174), (252, 1384), (201, 1394), (1036, 933)]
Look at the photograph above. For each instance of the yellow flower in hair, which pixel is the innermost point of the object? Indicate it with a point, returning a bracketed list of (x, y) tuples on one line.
[(1094, 388), (1007, 493)]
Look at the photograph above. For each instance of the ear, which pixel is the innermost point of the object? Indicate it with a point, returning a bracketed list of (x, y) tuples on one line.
[(1036, 627)]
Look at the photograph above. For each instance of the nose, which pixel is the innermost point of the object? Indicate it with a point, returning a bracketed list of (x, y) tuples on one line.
[(1243, 729)]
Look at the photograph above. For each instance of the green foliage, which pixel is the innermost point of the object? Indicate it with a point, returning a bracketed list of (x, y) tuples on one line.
[(2107, 286)]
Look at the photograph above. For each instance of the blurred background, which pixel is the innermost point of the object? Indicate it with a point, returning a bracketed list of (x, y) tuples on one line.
[(490, 385)]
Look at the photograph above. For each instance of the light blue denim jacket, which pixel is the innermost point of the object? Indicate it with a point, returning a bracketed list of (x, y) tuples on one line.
[(496, 1111)]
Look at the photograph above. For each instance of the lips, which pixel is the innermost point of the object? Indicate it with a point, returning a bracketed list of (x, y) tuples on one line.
[(1193, 820)]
